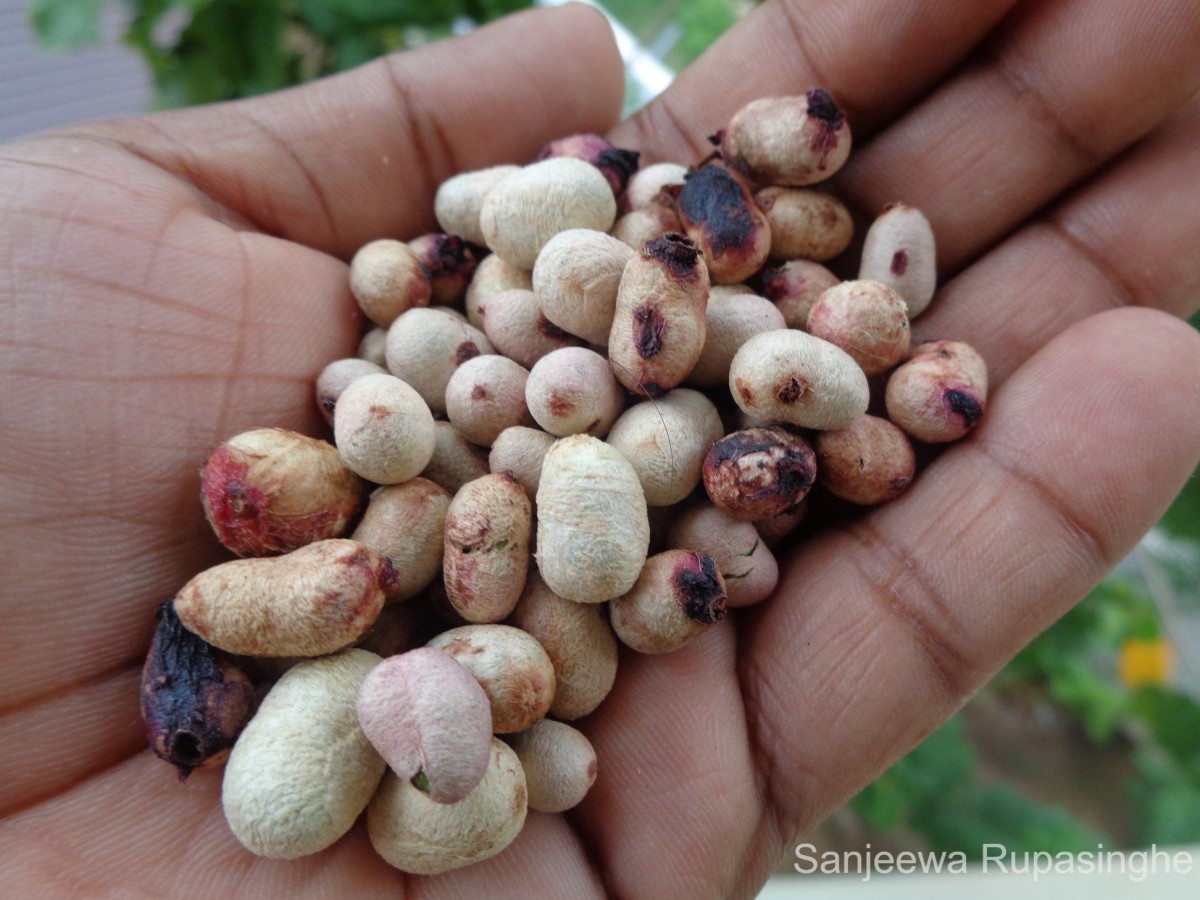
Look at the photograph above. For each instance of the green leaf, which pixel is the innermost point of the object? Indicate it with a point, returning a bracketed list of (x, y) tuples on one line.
[(65, 24)]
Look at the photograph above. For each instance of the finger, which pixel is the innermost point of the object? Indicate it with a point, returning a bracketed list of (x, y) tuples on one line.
[(1044, 108), (904, 613), (675, 803), (358, 156), (872, 67), (1128, 237)]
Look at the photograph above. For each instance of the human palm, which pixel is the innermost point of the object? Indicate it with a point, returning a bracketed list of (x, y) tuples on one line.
[(171, 280)]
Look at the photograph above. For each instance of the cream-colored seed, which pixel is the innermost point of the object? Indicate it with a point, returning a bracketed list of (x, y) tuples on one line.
[(805, 224), (528, 208), (645, 184), (579, 642), (519, 452), (459, 200), (793, 141), (425, 346), (593, 529), (794, 287), (516, 674), (731, 318), (416, 835), (387, 278), (792, 377), (336, 377), (647, 223), (899, 250), (302, 771), (559, 764), (515, 324), (404, 522), (493, 276), (573, 391), (665, 441), (486, 547), (373, 347), (383, 429), (939, 394), (867, 319), (485, 395), (455, 460), (309, 602), (575, 279), (678, 595)]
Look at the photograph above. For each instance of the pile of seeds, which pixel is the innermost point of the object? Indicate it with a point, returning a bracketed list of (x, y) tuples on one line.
[(592, 362)]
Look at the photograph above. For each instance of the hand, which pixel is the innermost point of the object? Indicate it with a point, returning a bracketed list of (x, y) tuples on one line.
[(170, 280)]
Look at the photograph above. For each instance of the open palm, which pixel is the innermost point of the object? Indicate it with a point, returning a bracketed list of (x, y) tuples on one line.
[(167, 281)]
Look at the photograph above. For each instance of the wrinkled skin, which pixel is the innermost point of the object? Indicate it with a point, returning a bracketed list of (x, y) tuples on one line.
[(168, 281)]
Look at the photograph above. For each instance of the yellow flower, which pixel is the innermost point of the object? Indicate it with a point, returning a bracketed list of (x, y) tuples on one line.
[(1146, 662)]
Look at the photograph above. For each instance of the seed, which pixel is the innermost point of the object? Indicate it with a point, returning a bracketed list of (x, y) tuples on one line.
[(519, 452), (805, 224), (425, 346), (899, 251), (492, 277), (868, 463), (517, 327), (387, 278), (757, 473), (575, 279), (573, 391), (678, 594), (743, 559), (720, 215), (383, 429), (449, 261), (455, 460), (939, 394), (559, 764), (646, 183), (794, 287), (336, 377), (792, 141), (485, 395), (867, 319), (459, 200), (405, 523), (615, 164), (731, 319)]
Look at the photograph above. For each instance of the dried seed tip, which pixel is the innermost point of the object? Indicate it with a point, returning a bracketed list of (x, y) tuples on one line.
[(450, 262), (870, 462), (867, 319), (486, 547), (405, 522), (559, 764), (269, 491), (805, 224), (791, 141), (427, 715), (677, 596), (593, 527), (303, 771), (719, 214), (675, 250), (514, 671), (900, 252), (701, 588), (615, 164), (336, 377), (309, 602), (387, 278), (794, 287), (383, 429), (579, 642), (194, 703), (757, 473), (939, 394), (524, 211), (419, 836)]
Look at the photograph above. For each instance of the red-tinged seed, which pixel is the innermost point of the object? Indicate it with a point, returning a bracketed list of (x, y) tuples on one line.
[(718, 213), (677, 597), (450, 262), (939, 394), (868, 463), (757, 473), (614, 163), (194, 702), (794, 287), (792, 141)]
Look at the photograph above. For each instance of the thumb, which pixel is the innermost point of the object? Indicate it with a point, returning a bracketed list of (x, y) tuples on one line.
[(359, 155)]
